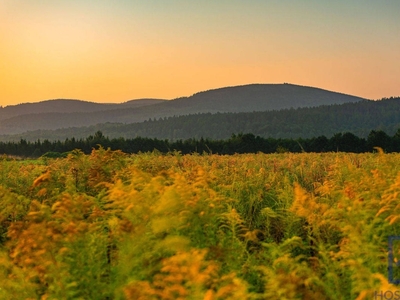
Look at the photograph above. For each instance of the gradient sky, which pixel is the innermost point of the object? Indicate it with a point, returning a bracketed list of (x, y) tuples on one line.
[(114, 51)]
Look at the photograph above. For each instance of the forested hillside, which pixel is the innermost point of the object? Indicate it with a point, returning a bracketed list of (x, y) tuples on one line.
[(51, 115), (358, 118)]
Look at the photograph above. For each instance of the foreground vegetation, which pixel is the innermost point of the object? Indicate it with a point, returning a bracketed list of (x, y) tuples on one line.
[(148, 226)]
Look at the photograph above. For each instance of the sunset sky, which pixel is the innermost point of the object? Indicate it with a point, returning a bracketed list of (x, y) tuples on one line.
[(114, 51)]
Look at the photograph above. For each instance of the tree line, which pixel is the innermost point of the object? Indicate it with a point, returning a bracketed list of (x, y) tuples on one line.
[(237, 143)]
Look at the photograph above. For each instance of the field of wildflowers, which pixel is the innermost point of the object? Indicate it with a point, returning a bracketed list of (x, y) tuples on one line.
[(150, 226)]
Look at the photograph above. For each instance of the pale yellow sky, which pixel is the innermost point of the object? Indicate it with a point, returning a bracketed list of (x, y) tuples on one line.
[(114, 51)]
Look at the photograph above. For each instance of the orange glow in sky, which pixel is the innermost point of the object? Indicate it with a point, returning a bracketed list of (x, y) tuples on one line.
[(114, 51)]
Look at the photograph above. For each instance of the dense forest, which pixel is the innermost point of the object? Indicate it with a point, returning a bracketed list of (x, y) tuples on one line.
[(241, 143), (358, 118)]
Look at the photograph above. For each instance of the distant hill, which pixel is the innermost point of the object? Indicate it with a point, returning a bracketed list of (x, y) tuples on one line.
[(69, 106), (260, 97), (56, 114), (358, 118)]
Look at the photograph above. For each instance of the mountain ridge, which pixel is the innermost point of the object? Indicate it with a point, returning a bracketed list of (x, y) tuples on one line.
[(243, 98), (358, 118)]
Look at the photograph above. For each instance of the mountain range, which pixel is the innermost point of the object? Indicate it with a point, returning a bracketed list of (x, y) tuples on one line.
[(66, 114)]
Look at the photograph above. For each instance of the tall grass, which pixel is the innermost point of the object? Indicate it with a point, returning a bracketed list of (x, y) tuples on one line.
[(150, 226)]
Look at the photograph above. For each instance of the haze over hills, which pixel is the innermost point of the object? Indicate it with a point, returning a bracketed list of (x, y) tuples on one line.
[(56, 114), (69, 106)]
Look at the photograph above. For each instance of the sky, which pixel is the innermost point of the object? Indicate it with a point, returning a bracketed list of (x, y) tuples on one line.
[(115, 51)]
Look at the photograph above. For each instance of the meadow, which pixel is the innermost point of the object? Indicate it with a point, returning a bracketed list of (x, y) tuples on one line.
[(149, 226)]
